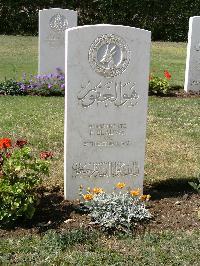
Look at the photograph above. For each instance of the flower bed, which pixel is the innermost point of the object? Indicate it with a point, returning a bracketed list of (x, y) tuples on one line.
[(53, 84), (42, 85)]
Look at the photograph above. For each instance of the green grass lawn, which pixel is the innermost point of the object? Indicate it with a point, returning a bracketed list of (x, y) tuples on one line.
[(92, 248), (19, 54), (169, 56), (172, 153), (172, 133)]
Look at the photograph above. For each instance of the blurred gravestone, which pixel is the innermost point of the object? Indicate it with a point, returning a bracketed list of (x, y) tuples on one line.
[(52, 25), (107, 72), (192, 72)]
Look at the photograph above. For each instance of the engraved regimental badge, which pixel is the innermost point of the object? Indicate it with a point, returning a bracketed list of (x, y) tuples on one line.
[(109, 55), (58, 23)]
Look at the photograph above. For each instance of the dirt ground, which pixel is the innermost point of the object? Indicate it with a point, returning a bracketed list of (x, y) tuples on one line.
[(174, 205), (183, 94)]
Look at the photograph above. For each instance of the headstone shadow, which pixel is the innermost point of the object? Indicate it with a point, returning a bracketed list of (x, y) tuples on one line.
[(170, 188)]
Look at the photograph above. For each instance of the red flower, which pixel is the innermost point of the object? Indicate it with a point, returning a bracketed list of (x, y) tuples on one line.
[(5, 143), (44, 155), (167, 74), (21, 143)]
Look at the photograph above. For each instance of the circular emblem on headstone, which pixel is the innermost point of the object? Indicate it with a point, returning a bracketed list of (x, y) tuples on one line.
[(109, 55), (58, 23)]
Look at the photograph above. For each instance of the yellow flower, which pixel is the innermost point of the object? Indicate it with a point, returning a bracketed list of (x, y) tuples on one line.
[(88, 197), (148, 197), (120, 185), (97, 190), (145, 197), (135, 192)]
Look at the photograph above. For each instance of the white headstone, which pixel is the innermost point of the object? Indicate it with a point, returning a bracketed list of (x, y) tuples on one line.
[(192, 72), (107, 72), (52, 25)]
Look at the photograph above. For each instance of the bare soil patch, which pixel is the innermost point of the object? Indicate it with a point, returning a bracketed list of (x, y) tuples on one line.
[(183, 94)]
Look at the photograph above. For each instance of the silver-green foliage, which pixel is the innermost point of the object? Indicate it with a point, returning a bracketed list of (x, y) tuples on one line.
[(117, 210)]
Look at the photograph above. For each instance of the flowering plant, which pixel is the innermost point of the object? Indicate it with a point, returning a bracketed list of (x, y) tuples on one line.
[(52, 84), (159, 86), (20, 175), (118, 210)]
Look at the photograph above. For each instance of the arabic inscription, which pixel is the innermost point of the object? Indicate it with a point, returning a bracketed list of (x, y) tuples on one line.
[(113, 93), (105, 169)]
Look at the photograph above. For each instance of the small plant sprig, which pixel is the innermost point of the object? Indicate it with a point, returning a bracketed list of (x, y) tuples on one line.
[(159, 86), (20, 174), (196, 185), (117, 210)]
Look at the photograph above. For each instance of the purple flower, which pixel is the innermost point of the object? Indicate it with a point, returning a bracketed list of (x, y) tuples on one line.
[(49, 76), (30, 86), (38, 76), (43, 80), (23, 87), (58, 69), (54, 75), (60, 77)]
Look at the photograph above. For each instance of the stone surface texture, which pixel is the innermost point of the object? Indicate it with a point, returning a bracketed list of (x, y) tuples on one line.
[(52, 25), (107, 70), (192, 72)]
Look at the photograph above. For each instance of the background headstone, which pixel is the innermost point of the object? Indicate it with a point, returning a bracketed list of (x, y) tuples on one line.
[(192, 72), (52, 25), (107, 72)]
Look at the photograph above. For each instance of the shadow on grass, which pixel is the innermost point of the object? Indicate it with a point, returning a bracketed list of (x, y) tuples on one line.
[(170, 188)]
